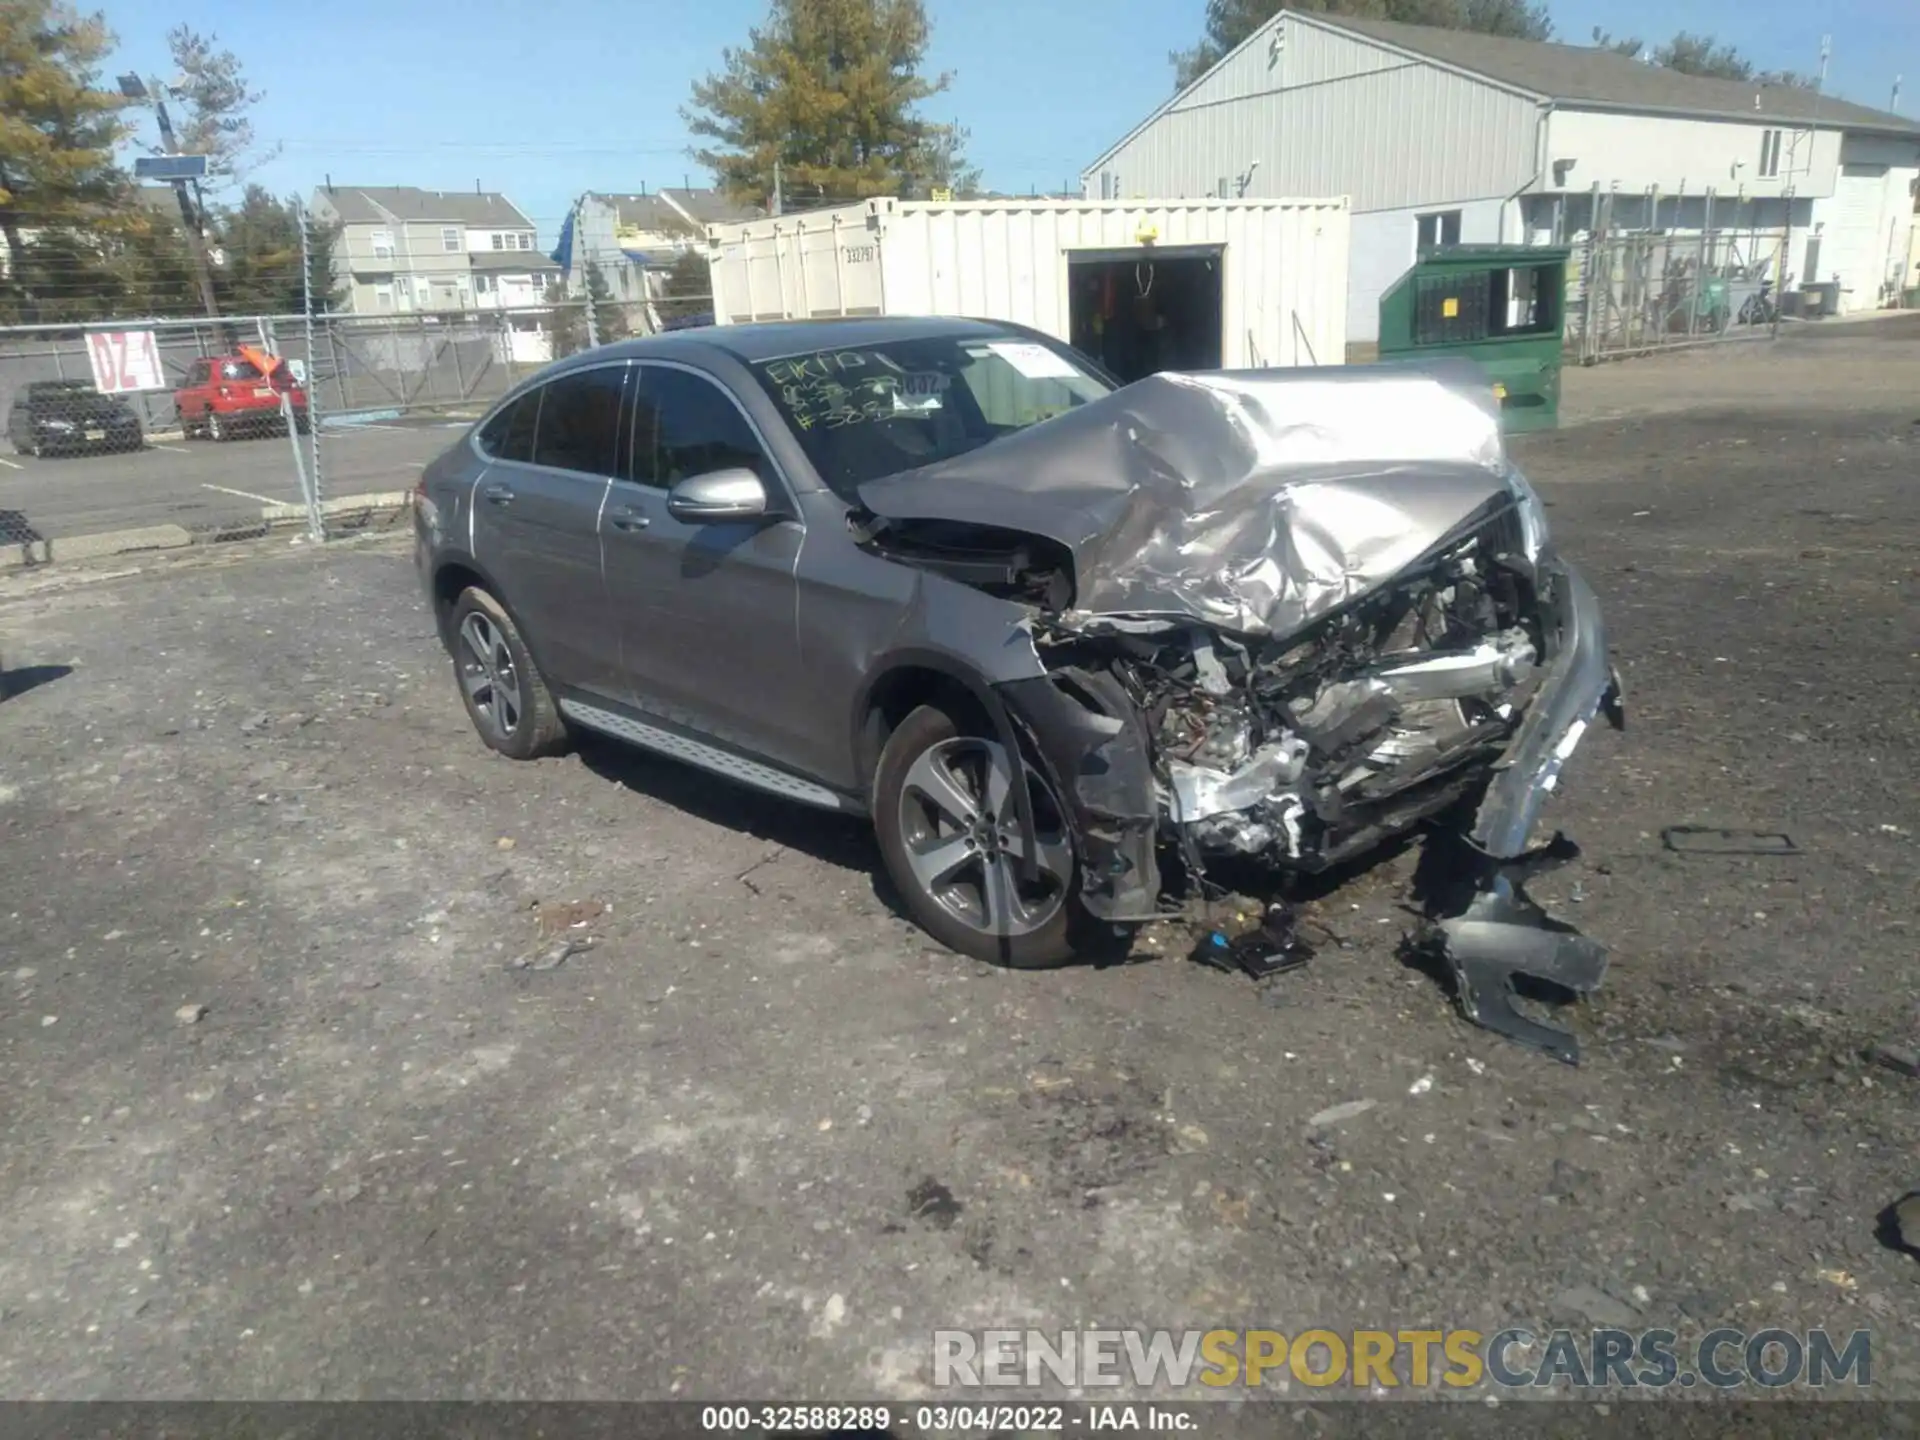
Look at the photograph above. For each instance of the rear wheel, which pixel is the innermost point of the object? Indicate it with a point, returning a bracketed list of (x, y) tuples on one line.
[(217, 429), (949, 829), (505, 697)]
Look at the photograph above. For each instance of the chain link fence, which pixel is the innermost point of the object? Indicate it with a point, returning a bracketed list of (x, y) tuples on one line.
[(129, 433), (1632, 291)]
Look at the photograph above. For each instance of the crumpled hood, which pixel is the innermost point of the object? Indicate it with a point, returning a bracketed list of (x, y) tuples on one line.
[(1254, 501)]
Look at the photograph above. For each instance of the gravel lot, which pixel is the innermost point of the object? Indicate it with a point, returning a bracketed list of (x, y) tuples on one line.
[(280, 1122)]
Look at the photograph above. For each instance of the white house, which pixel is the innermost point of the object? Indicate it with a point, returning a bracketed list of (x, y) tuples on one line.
[(401, 249), (635, 239), (1445, 136)]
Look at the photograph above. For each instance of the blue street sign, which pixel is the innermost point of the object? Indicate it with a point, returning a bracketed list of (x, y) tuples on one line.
[(170, 167)]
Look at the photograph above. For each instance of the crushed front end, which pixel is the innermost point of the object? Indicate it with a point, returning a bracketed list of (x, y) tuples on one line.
[(1296, 633), (1457, 690)]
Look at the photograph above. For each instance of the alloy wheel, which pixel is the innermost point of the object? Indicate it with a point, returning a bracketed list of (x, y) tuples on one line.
[(960, 824), (488, 674)]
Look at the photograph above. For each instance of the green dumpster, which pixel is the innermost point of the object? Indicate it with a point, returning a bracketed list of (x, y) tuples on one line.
[(1501, 305)]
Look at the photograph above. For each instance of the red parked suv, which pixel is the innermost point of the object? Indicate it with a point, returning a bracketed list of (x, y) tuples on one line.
[(224, 395)]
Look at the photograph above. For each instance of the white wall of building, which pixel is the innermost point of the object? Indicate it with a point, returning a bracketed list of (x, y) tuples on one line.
[(1862, 231), (1626, 152), (1385, 243), (1323, 113)]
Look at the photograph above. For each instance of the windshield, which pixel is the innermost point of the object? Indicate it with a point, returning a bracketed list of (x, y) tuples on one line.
[(863, 411), (239, 370)]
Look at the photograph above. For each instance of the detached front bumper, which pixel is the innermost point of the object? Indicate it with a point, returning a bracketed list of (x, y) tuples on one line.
[(1499, 935), (1579, 683)]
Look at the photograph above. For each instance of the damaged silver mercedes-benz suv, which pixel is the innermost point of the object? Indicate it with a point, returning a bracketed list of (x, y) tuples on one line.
[(1064, 641)]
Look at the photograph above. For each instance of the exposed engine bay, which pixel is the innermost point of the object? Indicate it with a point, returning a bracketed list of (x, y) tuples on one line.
[(1284, 637), (1314, 748)]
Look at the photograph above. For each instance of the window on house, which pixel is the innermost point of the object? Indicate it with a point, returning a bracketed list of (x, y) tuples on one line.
[(383, 296), (450, 240), (1769, 154), (499, 241), (382, 244), (526, 241), (1442, 227), (482, 284)]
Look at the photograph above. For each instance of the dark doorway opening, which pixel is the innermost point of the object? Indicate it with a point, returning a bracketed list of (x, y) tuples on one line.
[(1142, 311)]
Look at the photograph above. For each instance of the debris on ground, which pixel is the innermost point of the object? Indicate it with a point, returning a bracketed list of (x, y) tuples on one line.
[(1494, 940), (558, 917), (1592, 1303), (1334, 1114), (1713, 840), (933, 1203), (552, 955), (1906, 1222), (1273, 948), (1902, 1059), (191, 1014)]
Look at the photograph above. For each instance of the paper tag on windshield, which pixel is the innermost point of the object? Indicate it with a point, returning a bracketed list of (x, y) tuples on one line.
[(1036, 362)]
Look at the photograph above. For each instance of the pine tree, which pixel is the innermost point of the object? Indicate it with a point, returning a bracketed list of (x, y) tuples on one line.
[(61, 195), (567, 324), (689, 288), (829, 89), (213, 88)]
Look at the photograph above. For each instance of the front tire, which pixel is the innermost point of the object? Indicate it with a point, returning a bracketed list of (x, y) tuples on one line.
[(949, 832), (216, 427), (507, 701)]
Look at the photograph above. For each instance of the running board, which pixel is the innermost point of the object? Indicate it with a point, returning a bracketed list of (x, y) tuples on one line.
[(677, 746)]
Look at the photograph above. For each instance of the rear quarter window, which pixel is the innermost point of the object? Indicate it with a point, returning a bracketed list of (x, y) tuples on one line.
[(509, 434)]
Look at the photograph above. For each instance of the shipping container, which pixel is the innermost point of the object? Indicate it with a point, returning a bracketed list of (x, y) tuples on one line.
[(1141, 285)]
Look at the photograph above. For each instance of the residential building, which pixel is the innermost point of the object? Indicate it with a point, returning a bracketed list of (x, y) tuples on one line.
[(635, 239), (402, 249), (1445, 137)]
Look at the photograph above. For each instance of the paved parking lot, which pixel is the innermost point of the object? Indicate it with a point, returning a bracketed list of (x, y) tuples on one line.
[(198, 484), (280, 1120)]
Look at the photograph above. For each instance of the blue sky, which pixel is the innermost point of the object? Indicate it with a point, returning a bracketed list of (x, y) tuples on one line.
[(545, 102)]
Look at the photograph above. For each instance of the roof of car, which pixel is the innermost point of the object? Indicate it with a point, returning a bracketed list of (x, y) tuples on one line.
[(770, 340)]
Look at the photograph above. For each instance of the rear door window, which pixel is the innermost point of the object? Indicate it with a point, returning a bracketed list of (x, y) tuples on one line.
[(579, 425), (509, 434)]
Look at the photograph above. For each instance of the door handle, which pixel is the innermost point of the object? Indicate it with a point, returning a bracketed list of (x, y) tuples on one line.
[(499, 494), (625, 517)]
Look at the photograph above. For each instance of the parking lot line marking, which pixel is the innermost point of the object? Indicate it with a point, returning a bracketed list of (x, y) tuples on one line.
[(243, 494), (12, 464), (176, 449)]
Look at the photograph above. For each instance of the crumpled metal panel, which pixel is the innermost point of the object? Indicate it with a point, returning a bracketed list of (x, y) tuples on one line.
[(1254, 501)]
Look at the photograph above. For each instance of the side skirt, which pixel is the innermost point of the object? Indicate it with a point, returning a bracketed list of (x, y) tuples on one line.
[(678, 745)]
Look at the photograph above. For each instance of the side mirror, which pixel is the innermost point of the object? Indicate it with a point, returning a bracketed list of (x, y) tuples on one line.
[(732, 494)]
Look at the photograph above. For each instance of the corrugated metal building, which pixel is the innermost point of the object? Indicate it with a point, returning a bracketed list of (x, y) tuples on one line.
[(1443, 136)]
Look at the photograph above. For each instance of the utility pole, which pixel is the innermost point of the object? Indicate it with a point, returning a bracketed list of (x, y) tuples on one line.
[(776, 188), (153, 91), (586, 277)]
